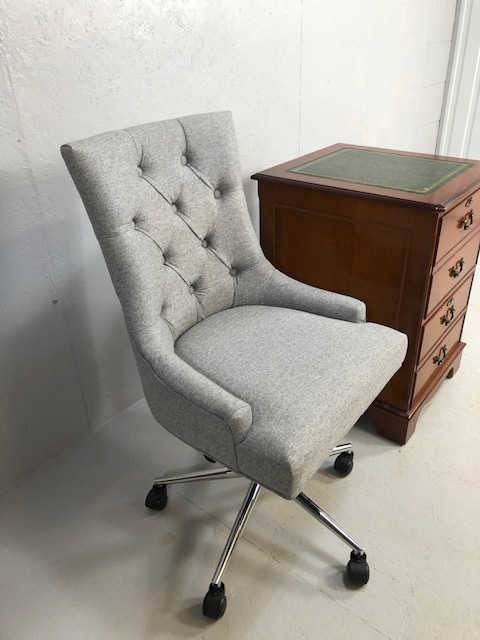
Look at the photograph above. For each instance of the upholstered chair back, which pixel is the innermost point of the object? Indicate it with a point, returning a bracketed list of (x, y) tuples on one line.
[(168, 208)]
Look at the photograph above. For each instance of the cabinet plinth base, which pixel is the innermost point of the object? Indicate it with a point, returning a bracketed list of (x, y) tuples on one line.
[(392, 423), (398, 425)]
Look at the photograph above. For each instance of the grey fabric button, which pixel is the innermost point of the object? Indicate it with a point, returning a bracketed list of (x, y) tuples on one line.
[(139, 171), (204, 244), (191, 289), (184, 160), (232, 271), (174, 208), (217, 193)]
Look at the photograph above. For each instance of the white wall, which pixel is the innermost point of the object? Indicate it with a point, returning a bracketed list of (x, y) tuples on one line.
[(298, 75), (374, 72)]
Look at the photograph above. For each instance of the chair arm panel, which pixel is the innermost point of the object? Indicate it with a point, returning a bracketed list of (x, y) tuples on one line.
[(190, 405)]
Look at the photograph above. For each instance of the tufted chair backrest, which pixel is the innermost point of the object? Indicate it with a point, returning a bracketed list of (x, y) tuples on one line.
[(167, 205)]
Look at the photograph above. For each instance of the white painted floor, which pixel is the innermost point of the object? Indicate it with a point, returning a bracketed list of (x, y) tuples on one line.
[(82, 558)]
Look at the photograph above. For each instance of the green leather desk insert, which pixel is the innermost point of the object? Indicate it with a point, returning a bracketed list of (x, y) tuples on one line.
[(381, 169)]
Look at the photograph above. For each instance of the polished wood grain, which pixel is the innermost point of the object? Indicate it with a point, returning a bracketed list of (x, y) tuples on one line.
[(439, 356), (451, 308), (458, 225), (441, 200), (394, 250), (453, 269)]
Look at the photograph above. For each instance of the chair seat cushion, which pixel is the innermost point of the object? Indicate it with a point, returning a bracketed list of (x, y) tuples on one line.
[(308, 379)]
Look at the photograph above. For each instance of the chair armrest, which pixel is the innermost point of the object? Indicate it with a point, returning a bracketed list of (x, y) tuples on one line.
[(191, 386), (284, 291), (187, 403)]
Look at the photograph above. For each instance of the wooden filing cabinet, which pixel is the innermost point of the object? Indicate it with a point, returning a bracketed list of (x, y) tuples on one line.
[(395, 229)]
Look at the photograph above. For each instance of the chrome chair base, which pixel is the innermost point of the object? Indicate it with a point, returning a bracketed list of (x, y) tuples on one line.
[(204, 474), (215, 601)]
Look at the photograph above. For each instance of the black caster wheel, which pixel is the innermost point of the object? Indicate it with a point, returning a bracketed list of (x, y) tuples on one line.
[(215, 602), (157, 497), (344, 463), (209, 459), (358, 571)]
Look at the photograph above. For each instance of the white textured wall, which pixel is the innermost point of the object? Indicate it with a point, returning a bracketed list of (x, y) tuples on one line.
[(298, 75)]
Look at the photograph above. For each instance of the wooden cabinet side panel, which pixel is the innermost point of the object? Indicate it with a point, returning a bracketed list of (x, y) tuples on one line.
[(349, 256), (379, 253)]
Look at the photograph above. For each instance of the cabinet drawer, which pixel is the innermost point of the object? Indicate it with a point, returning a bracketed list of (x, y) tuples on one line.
[(447, 277), (460, 222), (444, 317), (438, 358)]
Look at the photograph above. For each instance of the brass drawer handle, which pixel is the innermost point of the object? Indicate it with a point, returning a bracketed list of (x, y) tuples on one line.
[(469, 202), (441, 356), (467, 220), (457, 269), (448, 317)]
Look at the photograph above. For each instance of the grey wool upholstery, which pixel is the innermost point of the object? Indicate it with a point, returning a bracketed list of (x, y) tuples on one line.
[(260, 372)]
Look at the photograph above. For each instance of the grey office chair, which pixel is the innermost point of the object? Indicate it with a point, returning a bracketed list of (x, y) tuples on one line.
[(255, 370)]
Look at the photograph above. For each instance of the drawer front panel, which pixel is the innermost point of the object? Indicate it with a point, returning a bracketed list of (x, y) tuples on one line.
[(444, 317), (438, 358), (460, 222), (452, 272)]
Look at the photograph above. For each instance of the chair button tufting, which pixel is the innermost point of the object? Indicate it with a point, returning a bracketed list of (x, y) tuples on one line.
[(232, 271), (139, 171), (217, 193), (174, 208), (184, 160), (191, 289), (204, 244)]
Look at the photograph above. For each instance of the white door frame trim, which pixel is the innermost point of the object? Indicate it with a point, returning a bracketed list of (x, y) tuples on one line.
[(463, 86)]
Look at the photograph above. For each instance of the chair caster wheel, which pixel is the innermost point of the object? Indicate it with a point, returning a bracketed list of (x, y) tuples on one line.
[(209, 459), (215, 602), (358, 571), (157, 497), (344, 463)]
